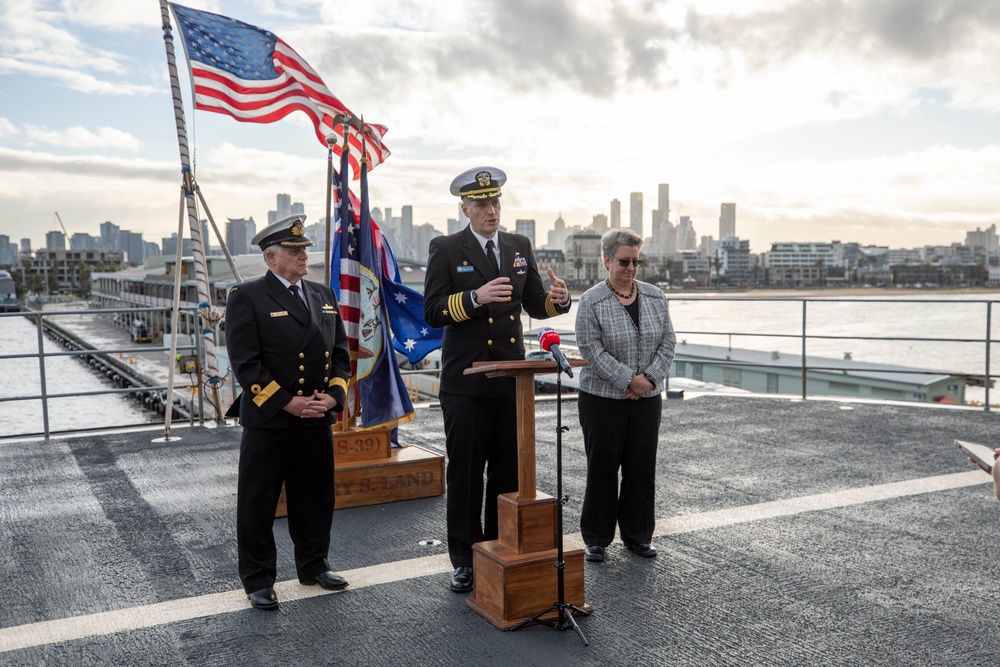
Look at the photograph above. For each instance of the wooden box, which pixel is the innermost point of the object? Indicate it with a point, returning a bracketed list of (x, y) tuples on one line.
[(526, 526), (510, 587), (368, 471), (409, 472)]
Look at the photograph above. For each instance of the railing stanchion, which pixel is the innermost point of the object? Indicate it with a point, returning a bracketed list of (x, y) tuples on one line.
[(41, 377), (986, 375), (804, 349)]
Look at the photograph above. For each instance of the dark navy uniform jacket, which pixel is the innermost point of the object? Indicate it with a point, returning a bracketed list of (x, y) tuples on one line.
[(456, 266), (277, 351)]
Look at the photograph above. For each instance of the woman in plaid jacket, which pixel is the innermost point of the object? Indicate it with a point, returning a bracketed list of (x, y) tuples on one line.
[(624, 331)]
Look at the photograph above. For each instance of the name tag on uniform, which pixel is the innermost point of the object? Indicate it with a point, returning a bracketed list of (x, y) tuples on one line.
[(465, 269), (280, 313)]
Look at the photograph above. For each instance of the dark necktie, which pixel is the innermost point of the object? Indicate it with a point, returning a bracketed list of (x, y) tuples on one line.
[(294, 289), (492, 257)]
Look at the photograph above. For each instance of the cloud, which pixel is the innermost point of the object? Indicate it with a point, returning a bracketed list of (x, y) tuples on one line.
[(7, 128), (80, 137)]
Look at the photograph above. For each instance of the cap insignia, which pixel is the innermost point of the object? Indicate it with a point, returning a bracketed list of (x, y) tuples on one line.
[(484, 178), (297, 229)]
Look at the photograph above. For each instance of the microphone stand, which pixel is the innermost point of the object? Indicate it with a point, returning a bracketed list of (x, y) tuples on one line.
[(565, 620)]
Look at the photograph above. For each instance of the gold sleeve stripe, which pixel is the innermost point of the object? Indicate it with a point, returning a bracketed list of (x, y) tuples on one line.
[(267, 393), (550, 307), (456, 308), (339, 382)]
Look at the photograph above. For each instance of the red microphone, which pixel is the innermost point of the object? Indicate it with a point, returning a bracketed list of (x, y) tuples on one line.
[(548, 338)]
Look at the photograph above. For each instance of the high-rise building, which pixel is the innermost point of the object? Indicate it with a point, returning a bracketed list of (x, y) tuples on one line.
[(727, 221), (8, 253), (132, 246), (284, 209), (454, 225), (526, 228), (55, 241), (406, 235), (83, 241), (616, 214), (557, 237), (664, 239), (686, 237), (239, 231), (635, 212), (110, 236), (600, 223)]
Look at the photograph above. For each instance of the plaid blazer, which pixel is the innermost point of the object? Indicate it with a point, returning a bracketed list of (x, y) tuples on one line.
[(616, 350)]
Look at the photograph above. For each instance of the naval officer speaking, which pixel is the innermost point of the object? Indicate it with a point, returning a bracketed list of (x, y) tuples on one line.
[(477, 282), (288, 350)]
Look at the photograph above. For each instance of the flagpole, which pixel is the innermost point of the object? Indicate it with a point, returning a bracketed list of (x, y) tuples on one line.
[(197, 248), (331, 141)]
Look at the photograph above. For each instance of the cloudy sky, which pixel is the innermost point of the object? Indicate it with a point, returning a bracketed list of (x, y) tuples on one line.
[(876, 121)]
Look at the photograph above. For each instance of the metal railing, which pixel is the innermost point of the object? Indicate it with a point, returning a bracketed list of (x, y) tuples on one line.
[(104, 361), (803, 335)]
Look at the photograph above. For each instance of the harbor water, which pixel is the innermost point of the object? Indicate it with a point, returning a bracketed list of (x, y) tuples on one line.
[(960, 320)]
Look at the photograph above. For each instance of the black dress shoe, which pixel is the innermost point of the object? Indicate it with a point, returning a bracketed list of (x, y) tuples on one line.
[(265, 598), (461, 580), (644, 550), (328, 580), (594, 554)]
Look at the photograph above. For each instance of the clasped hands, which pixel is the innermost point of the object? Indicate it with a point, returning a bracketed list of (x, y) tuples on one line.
[(311, 407), (639, 387), (500, 289)]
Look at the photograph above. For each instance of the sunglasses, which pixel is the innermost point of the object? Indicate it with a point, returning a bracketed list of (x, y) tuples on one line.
[(625, 262)]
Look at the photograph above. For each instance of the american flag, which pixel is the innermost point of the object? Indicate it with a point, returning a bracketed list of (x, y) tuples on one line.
[(248, 73)]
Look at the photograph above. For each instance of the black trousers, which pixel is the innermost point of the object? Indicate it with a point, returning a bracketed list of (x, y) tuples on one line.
[(619, 434), (302, 459), (480, 435)]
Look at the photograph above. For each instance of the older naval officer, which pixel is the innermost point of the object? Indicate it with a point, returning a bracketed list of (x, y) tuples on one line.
[(288, 350), (478, 281)]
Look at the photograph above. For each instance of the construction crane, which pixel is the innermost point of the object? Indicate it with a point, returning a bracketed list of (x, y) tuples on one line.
[(68, 238)]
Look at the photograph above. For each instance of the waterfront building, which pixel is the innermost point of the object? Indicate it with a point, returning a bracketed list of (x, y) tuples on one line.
[(152, 285), (986, 239), (65, 270), (550, 259), (733, 266), (727, 221), (583, 259), (781, 373), (616, 214), (799, 264), (454, 225), (422, 236), (635, 212)]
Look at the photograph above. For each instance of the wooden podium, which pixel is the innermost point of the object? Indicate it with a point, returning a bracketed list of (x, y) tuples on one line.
[(515, 575), (370, 471)]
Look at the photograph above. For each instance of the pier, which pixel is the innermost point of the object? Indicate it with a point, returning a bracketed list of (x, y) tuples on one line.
[(790, 532)]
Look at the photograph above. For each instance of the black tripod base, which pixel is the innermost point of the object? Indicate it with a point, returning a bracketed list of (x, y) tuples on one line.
[(564, 621)]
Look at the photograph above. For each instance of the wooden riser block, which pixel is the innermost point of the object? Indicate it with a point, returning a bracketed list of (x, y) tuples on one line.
[(511, 588), (527, 526), (409, 472), (353, 445)]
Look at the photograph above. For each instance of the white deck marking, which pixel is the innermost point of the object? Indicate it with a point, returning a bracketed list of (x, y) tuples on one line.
[(184, 609)]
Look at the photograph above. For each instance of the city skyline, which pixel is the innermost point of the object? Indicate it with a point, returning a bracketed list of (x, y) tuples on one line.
[(872, 122)]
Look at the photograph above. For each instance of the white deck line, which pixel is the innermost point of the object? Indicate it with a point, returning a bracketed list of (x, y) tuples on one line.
[(173, 611)]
